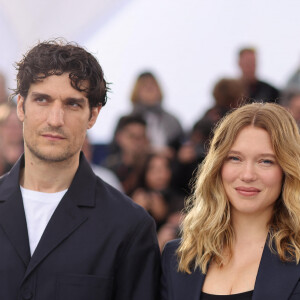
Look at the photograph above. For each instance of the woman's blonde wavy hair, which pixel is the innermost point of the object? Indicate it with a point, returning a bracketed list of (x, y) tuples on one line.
[(207, 229)]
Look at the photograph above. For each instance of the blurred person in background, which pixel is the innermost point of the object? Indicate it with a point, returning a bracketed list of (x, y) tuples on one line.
[(291, 101), (228, 94), (129, 150), (3, 90), (104, 173), (163, 129), (293, 83), (11, 135), (155, 192), (255, 89)]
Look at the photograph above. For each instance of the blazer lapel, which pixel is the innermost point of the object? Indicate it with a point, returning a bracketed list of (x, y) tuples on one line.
[(188, 286), (65, 220), (67, 216), (275, 280), (12, 215)]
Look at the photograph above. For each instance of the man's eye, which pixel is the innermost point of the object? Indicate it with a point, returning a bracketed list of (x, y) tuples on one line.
[(74, 104), (41, 99)]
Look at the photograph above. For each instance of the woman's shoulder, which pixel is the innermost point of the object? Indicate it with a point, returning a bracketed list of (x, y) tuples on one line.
[(169, 255), (172, 246)]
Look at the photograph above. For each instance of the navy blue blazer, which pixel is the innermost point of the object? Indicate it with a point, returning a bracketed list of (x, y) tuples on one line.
[(275, 280), (97, 245)]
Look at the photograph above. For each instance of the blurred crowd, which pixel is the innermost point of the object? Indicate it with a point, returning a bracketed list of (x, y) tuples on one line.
[(151, 158)]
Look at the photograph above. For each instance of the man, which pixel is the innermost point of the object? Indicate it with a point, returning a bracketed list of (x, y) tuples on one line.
[(64, 233), (255, 89)]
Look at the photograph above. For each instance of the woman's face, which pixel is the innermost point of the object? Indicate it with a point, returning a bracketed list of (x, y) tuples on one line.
[(149, 92), (158, 174), (251, 175)]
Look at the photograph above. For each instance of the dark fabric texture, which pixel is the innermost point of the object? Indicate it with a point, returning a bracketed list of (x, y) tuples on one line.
[(275, 280), (97, 245)]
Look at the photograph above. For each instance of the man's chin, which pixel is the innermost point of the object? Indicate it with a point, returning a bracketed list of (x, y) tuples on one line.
[(52, 156)]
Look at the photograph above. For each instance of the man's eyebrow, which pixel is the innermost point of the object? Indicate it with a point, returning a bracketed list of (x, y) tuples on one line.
[(77, 100), (69, 99), (37, 94)]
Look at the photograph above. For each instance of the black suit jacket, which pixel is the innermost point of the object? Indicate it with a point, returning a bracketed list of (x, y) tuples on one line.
[(97, 245), (275, 280)]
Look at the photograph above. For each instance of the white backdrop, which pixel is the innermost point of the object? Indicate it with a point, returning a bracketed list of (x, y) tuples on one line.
[(189, 44)]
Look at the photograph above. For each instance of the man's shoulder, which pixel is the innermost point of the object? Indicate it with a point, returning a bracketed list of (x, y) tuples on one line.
[(3, 179), (116, 202)]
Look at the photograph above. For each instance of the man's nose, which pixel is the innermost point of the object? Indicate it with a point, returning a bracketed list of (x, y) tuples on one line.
[(248, 172), (56, 115)]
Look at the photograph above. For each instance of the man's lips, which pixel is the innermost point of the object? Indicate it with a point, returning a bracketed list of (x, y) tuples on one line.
[(247, 191), (53, 137)]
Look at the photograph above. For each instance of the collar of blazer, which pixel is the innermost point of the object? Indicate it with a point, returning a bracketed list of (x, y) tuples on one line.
[(81, 190), (66, 219), (275, 280)]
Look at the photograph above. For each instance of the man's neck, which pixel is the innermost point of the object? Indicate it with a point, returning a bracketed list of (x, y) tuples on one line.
[(48, 177)]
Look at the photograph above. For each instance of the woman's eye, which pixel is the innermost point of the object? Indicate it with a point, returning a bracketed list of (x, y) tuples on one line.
[(233, 158), (267, 162)]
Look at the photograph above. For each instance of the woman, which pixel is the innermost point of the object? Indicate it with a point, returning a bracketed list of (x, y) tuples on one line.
[(163, 129), (241, 236)]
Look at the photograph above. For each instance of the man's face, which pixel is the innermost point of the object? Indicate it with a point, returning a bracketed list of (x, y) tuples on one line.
[(133, 139), (247, 64), (55, 118)]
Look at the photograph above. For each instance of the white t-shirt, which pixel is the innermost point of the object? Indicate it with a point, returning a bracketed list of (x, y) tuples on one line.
[(39, 208)]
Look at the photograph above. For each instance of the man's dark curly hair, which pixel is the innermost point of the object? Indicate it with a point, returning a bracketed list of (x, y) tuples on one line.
[(56, 57)]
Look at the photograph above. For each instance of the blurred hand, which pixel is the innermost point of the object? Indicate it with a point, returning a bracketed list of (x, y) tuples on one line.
[(187, 153), (166, 233), (158, 206), (142, 198)]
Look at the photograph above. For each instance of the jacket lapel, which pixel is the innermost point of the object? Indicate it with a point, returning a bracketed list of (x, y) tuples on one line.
[(188, 286), (68, 215), (275, 280), (12, 216)]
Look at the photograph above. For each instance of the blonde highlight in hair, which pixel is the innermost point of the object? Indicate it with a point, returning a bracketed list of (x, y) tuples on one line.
[(207, 229)]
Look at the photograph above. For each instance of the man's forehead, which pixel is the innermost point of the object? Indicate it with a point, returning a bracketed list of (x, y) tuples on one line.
[(59, 83), (83, 84)]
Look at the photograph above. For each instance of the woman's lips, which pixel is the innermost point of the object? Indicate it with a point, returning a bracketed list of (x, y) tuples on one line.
[(247, 191)]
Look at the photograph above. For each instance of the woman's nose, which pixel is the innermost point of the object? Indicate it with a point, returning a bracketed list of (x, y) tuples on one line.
[(248, 172)]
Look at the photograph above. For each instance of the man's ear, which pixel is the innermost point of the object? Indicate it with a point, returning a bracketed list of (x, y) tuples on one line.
[(20, 108), (94, 115)]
